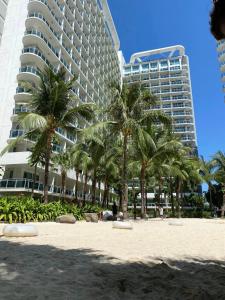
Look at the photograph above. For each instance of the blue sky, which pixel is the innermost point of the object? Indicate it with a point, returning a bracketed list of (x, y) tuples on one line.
[(149, 24)]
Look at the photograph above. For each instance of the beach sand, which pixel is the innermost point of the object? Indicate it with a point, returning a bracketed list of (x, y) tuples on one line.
[(93, 261)]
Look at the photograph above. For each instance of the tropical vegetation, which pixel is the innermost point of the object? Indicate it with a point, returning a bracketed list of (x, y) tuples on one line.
[(126, 149)]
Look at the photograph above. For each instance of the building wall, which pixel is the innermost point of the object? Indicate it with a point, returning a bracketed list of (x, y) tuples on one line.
[(78, 35), (221, 57), (3, 9), (166, 73)]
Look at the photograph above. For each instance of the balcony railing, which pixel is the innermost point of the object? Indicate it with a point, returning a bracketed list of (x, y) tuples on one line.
[(28, 185), (14, 133)]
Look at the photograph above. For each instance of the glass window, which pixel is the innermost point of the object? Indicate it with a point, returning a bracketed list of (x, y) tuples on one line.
[(174, 62), (145, 67), (135, 68), (127, 69), (164, 63), (166, 105), (154, 65)]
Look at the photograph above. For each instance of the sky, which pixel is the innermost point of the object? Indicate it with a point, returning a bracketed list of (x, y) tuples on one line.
[(148, 24)]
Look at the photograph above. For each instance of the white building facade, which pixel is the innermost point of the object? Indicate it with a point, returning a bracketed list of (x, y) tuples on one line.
[(77, 34), (166, 73), (221, 57), (3, 10)]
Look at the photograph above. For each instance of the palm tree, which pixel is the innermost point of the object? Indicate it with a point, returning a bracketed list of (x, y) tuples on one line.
[(151, 148), (219, 162), (52, 106), (129, 112), (207, 171), (63, 160), (81, 161), (217, 21)]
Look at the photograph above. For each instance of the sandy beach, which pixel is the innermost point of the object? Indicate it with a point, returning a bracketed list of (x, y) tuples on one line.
[(93, 261)]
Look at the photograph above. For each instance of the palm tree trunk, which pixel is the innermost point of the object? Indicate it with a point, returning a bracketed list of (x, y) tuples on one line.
[(107, 195), (134, 200), (223, 206), (85, 188), (76, 186), (120, 199), (210, 199), (142, 184), (104, 193), (146, 201), (178, 197), (93, 190), (63, 176), (47, 164), (34, 180), (171, 198), (125, 184), (160, 189)]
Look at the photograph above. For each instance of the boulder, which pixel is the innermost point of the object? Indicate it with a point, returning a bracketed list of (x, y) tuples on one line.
[(68, 219), (107, 215), (122, 225), (20, 230), (91, 217)]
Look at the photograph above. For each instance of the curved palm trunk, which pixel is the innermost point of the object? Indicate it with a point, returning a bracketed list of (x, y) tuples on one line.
[(47, 164), (125, 184), (93, 190), (85, 188), (63, 176), (142, 184)]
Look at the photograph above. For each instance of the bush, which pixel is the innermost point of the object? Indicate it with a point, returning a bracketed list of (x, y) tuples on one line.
[(24, 209), (196, 213)]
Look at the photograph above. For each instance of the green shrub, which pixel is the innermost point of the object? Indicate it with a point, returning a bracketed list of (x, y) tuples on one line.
[(196, 213), (24, 209)]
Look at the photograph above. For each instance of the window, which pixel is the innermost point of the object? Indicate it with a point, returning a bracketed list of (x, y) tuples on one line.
[(127, 70), (135, 69), (145, 68), (27, 175), (164, 63), (180, 104), (165, 91), (166, 105), (174, 62), (154, 65)]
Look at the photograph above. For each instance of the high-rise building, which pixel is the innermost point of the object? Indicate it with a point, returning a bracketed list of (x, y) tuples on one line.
[(221, 56), (77, 34), (3, 9), (166, 73)]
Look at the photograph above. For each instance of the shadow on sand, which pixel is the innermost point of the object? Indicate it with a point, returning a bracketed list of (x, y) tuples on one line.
[(43, 272)]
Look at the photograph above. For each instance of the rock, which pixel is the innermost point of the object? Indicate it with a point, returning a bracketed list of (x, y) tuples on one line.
[(122, 225), (91, 217), (20, 230), (107, 215), (69, 219)]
